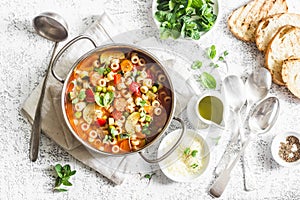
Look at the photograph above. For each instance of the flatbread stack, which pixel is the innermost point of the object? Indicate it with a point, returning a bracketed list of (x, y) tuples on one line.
[(276, 33)]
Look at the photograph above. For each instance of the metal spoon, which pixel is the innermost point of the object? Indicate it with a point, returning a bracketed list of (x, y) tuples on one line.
[(52, 27), (257, 86), (234, 90), (261, 120)]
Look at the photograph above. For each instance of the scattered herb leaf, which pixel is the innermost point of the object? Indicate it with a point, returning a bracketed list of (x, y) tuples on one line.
[(63, 175), (212, 52), (221, 58), (207, 81), (187, 151), (225, 53), (194, 153), (148, 176), (195, 165), (197, 64)]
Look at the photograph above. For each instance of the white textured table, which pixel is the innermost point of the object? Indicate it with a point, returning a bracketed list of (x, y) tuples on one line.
[(23, 60)]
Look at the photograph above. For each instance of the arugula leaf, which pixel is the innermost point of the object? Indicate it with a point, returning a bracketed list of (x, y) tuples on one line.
[(207, 81), (63, 175)]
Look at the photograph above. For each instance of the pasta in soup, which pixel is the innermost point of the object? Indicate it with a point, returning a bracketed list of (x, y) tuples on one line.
[(118, 100)]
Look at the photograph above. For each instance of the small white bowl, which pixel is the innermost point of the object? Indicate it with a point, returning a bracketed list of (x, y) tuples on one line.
[(276, 145), (216, 9), (174, 160)]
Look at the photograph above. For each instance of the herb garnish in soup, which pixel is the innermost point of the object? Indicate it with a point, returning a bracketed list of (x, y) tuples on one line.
[(118, 100)]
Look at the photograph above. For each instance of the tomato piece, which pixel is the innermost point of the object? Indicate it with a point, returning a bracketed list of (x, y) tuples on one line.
[(101, 122), (137, 94), (116, 114), (117, 78), (90, 97), (134, 87), (150, 75)]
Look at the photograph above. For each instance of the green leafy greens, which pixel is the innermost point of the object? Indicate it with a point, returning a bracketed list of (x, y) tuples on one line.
[(104, 100), (186, 18), (63, 175)]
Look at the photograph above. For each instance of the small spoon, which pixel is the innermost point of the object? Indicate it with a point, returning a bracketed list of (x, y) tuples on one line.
[(261, 120), (257, 86), (52, 27)]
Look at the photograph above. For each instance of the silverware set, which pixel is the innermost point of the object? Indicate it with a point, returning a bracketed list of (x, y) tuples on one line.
[(260, 116)]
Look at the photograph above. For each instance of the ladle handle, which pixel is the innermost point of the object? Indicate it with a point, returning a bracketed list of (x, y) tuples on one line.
[(36, 126), (63, 49), (164, 156)]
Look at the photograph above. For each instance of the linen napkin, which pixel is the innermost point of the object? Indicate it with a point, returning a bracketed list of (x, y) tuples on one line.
[(53, 124)]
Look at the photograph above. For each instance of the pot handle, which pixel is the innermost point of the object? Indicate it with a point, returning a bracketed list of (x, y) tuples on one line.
[(58, 55), (161, 158)]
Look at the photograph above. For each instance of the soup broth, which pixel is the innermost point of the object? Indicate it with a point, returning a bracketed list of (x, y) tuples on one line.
[(118, 100)]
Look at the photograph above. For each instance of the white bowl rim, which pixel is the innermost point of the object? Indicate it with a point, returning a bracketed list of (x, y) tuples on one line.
[(191, 179), (281, 137)]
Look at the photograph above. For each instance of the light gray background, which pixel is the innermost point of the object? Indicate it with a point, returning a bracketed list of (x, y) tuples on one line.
[(23, 60)]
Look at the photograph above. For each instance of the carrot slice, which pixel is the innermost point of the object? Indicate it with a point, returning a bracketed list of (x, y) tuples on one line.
[(125, 146), (126, 65)]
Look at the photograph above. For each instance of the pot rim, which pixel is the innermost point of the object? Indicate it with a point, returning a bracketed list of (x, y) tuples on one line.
[(110, 47)]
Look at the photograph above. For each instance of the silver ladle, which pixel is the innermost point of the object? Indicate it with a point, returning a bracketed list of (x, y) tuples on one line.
[(52, 27), (261, 120)]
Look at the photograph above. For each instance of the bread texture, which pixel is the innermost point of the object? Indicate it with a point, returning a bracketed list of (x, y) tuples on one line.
[(267, 28), (243, 21), (291, 75), (284, 45)]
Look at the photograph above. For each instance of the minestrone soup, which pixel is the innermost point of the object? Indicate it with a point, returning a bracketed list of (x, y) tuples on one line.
[(118, 100)]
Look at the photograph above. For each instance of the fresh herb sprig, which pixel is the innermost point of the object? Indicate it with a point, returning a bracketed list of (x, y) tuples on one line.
[(188, 152), (212, 52), (206, 79), (186, 18), (63, 175)]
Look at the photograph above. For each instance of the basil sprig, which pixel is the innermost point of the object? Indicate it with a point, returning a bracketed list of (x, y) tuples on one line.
[(63, 175)]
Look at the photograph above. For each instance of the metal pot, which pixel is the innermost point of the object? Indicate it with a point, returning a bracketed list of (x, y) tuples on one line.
[(108, 47)]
